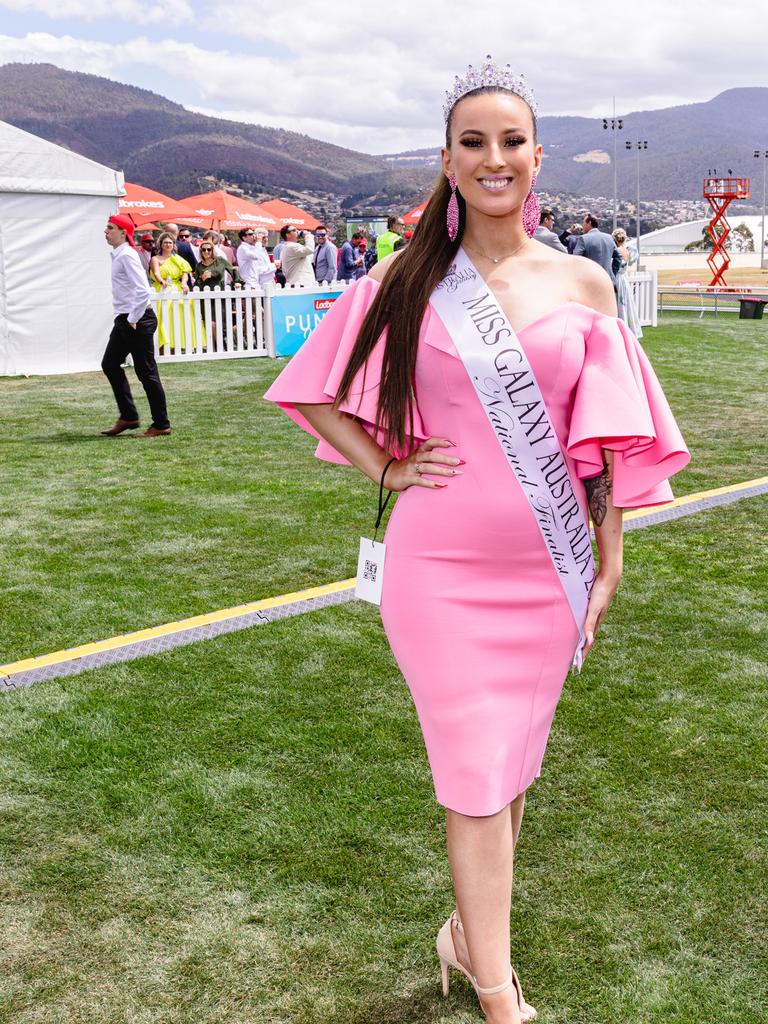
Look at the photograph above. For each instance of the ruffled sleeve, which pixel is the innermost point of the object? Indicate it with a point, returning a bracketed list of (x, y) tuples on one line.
[(619, 405), (314, 374)]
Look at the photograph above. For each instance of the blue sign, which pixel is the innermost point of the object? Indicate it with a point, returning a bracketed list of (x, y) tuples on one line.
[(296, 314)]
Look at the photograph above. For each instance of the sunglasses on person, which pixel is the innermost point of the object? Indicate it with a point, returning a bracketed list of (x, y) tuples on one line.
[(185, 236), (245, 234), (206, 248)]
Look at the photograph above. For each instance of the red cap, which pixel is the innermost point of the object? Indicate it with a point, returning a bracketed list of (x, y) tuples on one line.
[(125, 224), (146, 238), (408, 236)]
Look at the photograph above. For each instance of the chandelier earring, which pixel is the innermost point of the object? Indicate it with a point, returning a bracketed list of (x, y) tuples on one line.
[(531, 211), (452, 215)]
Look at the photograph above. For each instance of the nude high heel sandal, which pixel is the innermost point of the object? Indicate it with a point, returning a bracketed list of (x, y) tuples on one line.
[(446, 950)]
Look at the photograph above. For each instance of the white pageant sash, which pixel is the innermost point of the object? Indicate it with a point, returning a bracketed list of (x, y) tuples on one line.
[(509, 393)]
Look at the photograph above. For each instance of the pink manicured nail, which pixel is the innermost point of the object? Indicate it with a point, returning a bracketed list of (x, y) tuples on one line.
[(462, 462), (441, 485)]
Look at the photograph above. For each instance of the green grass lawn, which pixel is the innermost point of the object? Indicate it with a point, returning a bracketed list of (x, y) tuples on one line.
[(102, 536), (243, 831)]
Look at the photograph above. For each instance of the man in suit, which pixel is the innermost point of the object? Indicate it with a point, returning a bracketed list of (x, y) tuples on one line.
[(599, 247), (545, 232), (325, 257)]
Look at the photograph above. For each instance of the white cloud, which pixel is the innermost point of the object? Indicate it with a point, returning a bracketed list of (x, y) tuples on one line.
[(373, 79), (165, 12)]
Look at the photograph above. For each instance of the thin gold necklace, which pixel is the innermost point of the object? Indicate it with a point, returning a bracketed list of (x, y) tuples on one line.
[(494, 259)]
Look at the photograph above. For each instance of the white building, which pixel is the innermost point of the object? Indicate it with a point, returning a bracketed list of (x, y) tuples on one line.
[(677, 236), (55, 287)]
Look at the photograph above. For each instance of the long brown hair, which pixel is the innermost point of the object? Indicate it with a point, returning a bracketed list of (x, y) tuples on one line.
[(399, 309)]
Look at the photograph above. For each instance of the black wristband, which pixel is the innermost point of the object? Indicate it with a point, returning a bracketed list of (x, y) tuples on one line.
[(383, 504)]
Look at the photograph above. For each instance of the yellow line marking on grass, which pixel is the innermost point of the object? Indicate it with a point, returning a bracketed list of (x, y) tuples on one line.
[(688, 499), (127, 639)]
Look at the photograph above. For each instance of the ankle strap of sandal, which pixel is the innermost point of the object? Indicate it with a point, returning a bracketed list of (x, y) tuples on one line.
[(498, 988)]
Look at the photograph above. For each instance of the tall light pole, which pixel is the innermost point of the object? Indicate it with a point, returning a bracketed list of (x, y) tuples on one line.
[(638, 145), (762, 154), (615, 124)]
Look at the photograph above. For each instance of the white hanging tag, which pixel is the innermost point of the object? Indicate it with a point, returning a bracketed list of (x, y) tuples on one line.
[(370, 570)]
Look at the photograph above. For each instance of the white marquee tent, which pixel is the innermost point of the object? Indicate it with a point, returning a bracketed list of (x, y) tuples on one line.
[(55, 290)]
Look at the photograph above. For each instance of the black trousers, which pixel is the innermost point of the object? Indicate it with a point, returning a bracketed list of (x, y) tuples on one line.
[(123, 340)]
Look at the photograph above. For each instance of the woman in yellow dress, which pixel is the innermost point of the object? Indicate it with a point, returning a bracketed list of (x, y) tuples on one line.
[(169, 271)]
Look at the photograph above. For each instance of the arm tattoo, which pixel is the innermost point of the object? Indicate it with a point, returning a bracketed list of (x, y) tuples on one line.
[(598, 488)]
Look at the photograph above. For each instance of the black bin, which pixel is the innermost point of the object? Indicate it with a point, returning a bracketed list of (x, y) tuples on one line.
[(751, 309)]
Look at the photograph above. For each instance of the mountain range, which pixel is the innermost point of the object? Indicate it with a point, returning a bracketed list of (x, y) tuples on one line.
[(685, 144), (160, 144)]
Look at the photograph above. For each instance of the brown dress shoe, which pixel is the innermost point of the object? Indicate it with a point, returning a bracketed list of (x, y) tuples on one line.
[(120, 426), (155, 432)]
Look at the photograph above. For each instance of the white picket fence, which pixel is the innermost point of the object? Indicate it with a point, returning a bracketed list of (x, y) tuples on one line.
[(232, 323), (645, 289), (219, 323)]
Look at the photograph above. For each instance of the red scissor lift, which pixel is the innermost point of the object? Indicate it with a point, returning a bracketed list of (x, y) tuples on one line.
[(720, 193)]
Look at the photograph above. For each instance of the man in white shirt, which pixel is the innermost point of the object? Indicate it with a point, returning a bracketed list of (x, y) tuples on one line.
[(253, 259), (133, 333)]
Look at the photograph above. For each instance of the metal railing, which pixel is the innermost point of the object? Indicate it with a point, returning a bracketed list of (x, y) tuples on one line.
[(706, 299)]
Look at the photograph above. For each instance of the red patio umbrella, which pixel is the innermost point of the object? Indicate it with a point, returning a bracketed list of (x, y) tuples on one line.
[(144, 205), (225, 212), (415, 215), (285, 213)]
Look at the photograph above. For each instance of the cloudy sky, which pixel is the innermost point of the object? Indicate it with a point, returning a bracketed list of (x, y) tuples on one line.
[(371, 75)]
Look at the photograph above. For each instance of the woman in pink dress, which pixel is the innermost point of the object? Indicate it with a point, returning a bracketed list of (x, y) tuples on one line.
[(474, 605)]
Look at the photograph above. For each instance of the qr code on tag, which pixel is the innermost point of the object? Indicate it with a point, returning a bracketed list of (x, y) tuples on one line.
[(369, 571)]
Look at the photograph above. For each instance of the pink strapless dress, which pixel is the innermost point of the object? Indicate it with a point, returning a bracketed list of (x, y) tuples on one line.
[(472, 606)]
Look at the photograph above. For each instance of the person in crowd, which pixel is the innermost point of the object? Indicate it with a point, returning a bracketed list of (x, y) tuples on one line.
[(213, 268), (598, 246), (362, 249), (184, 247), (253, 259), (624, 295), (214, 238), (266, 266), (569, 236), (213, 271), (325, 256), (396, 380), (225, 247), (276, 254), (385, 243), (146, 251), (170, 272), (296, 256), (248, 257), (351, 259), (403, 242), (132, 334), (545, 232), (370, 258)]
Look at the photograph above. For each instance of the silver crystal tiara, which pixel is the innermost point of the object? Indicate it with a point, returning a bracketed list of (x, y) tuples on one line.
[(489, 75)]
